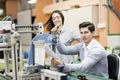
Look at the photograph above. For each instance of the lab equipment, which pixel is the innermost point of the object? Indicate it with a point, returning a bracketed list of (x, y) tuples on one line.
[(38, 54), (10, 34), (53, 74), (5, 29), (48, 39), (55, 40), (15, 43)]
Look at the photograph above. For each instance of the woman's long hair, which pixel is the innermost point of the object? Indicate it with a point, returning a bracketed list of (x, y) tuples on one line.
[(49, 24)]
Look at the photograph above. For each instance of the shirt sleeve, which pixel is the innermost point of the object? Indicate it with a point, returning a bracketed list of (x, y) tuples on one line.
[(86, 64), (67, 50)]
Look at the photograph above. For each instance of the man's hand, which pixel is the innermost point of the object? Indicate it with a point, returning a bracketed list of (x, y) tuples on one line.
[(55, 62)]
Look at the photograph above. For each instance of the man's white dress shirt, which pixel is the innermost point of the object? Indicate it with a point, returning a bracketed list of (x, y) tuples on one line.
[(93, 58)]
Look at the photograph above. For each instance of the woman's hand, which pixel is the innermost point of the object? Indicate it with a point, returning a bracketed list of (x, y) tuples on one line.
[(55, 62), (55, 29)]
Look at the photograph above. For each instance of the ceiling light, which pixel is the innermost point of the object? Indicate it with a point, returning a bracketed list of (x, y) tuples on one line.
[(32, 1)]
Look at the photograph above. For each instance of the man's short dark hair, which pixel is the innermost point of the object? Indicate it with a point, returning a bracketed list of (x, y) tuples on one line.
[(90, 26)]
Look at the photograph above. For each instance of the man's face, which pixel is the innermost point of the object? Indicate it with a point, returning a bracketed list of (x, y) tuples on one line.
[(86, 35)]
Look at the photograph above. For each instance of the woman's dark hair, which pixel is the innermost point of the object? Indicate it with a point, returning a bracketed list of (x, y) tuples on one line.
[(90, 26), (49, 24)]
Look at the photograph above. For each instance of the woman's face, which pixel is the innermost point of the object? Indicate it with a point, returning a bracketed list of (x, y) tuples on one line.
[(57, 19)]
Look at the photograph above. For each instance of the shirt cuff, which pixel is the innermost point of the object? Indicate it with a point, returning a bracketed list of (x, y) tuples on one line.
[(67, 68)]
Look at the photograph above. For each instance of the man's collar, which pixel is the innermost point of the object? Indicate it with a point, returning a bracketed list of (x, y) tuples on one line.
[(90, 44)]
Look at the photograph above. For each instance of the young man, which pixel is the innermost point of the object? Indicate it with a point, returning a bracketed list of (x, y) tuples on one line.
[(93, 58)]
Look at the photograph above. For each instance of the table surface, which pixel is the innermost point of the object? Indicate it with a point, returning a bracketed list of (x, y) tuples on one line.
[(88, 76)]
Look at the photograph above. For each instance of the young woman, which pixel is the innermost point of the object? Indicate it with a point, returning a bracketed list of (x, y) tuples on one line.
[(55, 24)]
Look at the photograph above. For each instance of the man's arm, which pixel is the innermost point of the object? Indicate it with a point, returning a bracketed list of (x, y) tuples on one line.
[(67, 50), (49, 51), (87, 63)]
